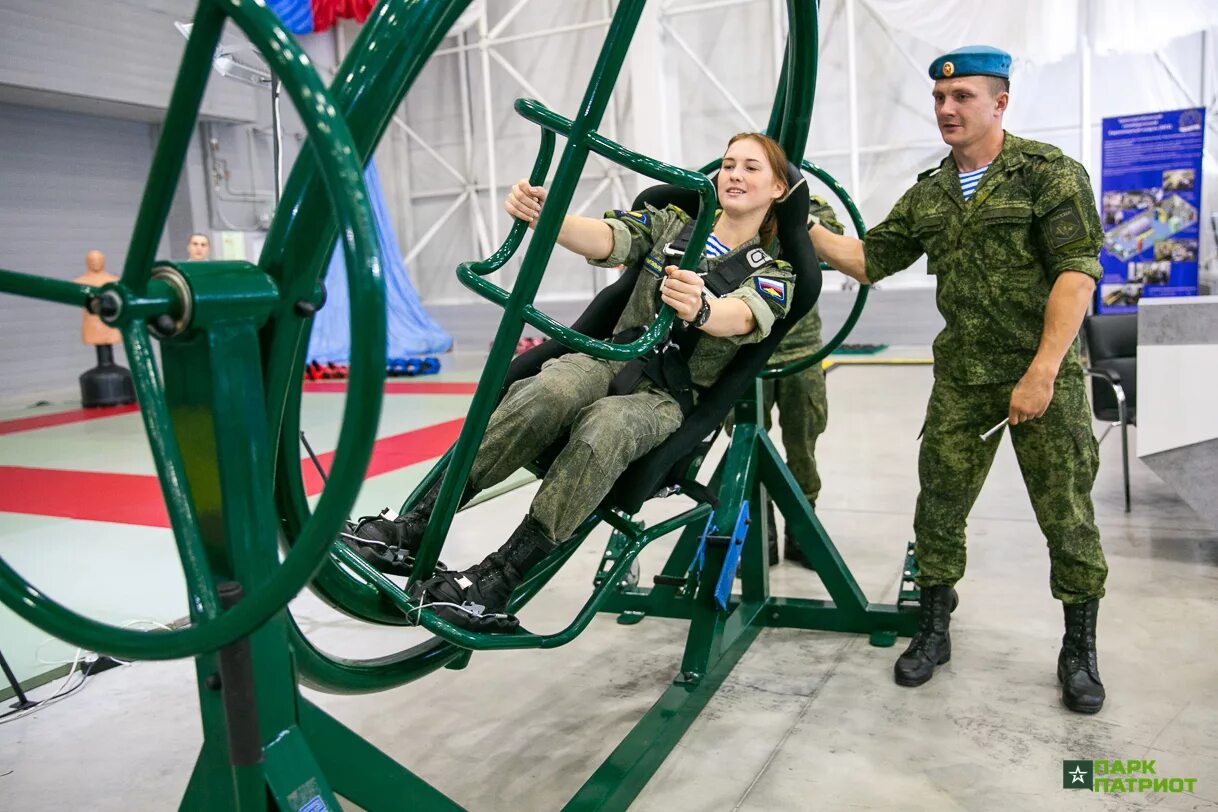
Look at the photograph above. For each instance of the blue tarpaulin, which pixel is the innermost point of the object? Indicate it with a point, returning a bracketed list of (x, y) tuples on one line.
[(412, 331)]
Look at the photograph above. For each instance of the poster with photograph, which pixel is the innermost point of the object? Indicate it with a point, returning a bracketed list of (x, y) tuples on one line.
[(1150, 205)]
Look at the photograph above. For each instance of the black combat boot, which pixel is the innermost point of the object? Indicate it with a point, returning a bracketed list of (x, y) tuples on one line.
[(772, 540), (932, 645), (1077, 670), (477, 598), (390, 542), (792, 552)]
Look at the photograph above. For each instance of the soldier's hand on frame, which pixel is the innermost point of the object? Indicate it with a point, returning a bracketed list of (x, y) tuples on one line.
[(524, 202), (1031, 397), (682, 291)]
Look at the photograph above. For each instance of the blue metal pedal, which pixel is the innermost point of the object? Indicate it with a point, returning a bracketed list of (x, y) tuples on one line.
[(727, 575), (734, 544)]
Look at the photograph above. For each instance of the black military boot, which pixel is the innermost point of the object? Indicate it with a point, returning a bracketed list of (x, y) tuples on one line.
[(390, 542), (932, 645), (772, 540), (792, 552), (477, 598), (1077, 670)]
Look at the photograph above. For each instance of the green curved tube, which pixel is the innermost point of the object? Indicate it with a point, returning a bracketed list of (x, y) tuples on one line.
[(478, 641), (471, 274), (860, 298)]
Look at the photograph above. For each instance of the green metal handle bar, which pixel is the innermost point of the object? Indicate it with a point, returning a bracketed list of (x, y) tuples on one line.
[(50, 290), (478, 641), (537, 176), (860, 298), (331, 144), (472, 274)]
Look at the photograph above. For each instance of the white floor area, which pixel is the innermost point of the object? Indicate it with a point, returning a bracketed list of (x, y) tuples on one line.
[(807, 720)]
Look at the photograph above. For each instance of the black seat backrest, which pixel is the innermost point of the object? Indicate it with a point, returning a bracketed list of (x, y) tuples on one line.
[(667, 463), (1112, 347)]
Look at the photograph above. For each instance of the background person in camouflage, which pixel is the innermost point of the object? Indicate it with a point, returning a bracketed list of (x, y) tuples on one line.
[(803, 404), (571, 393), (1011, 233)]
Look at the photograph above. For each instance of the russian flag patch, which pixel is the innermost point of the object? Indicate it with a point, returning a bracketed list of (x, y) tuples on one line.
[(775, 289)]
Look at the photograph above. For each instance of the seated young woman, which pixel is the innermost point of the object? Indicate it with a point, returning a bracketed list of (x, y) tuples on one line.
[(612, 411)]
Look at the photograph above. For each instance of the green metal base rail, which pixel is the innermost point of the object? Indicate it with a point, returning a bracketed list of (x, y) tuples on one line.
[(223, 421)]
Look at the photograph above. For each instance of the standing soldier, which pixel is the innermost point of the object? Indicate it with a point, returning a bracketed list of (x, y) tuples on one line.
[(1010, 228)]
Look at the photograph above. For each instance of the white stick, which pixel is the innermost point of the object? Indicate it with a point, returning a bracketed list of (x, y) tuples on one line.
[(996, 428)]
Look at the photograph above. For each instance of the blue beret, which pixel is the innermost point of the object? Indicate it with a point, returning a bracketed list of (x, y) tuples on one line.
[(972, 60)]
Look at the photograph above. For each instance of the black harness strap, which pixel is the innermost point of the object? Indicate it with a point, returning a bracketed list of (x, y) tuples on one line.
[(667, 365)]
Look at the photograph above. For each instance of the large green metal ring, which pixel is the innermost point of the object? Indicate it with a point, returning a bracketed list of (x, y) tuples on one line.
[(471, 274), (341, 173), (359, 597), (389, 53)]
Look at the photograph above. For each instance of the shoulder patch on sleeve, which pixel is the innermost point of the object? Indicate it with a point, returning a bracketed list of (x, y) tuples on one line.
[(640, 217), (771, 288), (1064, 225)]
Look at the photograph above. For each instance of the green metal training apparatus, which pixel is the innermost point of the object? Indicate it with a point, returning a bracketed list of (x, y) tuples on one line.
[(223, 420)]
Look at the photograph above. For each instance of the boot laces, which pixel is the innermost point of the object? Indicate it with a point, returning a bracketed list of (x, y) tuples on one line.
[(920, 642), (494, 561), (1079, 645)]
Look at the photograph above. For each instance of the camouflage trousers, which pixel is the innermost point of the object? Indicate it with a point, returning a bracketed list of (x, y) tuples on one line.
[(607, 433), (803, 414), (1058, 456)]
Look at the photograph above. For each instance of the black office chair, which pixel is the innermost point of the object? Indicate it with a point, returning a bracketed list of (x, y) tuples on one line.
[(1112, 351)]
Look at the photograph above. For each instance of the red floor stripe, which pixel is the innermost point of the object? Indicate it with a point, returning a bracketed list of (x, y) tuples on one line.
[(20, 424), (400, 387), (121, 498), (63, 418), (136, 498), (393, 453)]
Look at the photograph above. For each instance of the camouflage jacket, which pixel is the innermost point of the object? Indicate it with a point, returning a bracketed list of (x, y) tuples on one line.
[(996, 256), (804, 337), (640, 237)]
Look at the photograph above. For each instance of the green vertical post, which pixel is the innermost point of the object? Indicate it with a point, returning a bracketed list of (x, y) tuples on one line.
[(536, 258)]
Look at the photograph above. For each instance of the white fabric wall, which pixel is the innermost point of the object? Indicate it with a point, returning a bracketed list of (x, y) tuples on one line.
[(1140, 64)]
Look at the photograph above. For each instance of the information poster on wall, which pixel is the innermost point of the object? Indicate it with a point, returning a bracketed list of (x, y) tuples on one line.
[(1150, 207)]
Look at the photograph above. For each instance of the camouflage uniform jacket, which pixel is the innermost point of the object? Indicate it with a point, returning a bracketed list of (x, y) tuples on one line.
[(642, 236), (996, 256), (804, 337)]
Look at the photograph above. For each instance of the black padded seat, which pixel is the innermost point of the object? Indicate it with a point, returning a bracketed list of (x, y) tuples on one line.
[(667, 464)]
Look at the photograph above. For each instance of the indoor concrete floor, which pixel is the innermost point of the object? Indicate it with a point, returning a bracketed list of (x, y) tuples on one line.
[(807, 720)]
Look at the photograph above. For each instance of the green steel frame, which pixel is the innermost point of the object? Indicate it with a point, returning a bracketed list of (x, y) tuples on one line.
[(224, 420)]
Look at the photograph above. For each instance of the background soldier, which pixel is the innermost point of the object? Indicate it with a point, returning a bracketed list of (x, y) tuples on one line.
[(1010, 228), (803, 406)]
